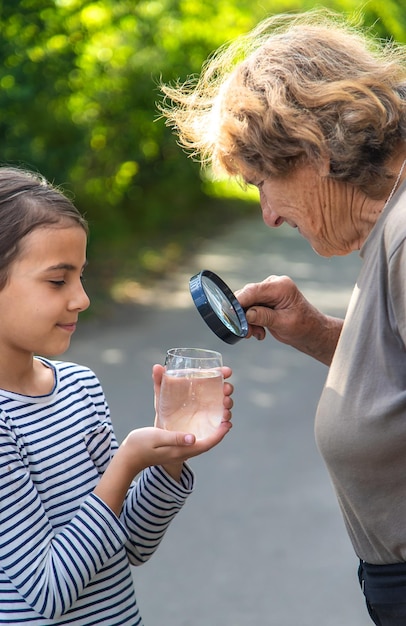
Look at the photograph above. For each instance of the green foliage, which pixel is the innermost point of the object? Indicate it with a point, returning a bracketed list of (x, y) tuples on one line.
[(78, 90)]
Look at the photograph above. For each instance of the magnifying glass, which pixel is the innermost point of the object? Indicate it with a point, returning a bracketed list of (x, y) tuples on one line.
[(218, 306)]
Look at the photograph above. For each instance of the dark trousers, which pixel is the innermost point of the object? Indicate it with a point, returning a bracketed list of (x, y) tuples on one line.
[(384, 587)]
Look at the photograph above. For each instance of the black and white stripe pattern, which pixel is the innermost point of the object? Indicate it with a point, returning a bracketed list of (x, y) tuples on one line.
[(64, 556)]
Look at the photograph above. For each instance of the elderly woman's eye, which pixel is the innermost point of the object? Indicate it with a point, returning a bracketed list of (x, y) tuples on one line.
[(255, 183)]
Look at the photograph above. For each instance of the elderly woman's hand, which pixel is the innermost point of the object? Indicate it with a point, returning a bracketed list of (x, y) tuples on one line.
[(277, 304)]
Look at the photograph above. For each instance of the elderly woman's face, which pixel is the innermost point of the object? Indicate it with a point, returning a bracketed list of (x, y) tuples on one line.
[(320, 208)]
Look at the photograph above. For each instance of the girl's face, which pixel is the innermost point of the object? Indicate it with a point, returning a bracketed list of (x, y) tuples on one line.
[(42, 299)]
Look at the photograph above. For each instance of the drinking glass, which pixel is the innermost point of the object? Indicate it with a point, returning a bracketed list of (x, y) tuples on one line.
[(191, 397)]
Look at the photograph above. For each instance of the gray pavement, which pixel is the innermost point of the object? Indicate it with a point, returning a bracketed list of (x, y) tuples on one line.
[(261, 541)]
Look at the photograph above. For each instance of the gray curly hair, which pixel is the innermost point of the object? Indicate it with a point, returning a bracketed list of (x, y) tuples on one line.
[(305, 87)]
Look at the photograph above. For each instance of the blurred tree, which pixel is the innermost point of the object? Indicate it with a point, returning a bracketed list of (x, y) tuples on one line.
[(78, 85), (78, 90)]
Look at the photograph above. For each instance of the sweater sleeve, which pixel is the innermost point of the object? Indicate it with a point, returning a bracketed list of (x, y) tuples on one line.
[(49, 569), (153, 500), (152, 503)]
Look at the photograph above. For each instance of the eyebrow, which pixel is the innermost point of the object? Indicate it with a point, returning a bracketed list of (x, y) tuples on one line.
[(64, 266)]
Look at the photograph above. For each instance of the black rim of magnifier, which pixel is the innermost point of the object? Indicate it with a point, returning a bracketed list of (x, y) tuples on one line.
[(206, 310)]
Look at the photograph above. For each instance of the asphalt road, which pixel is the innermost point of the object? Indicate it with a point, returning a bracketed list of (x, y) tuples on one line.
[(261, 541)]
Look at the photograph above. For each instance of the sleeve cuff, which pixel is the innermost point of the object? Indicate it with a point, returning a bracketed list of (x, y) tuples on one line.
[(186, 483), (107, 521)]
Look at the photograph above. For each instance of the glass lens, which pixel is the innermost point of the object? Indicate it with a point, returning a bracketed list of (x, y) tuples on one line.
[(221, 305)]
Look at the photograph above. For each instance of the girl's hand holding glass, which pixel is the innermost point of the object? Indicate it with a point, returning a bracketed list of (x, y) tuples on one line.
[(170, 449), (190, 394)]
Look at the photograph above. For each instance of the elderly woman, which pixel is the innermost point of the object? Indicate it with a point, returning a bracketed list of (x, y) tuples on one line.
[(313, 113)]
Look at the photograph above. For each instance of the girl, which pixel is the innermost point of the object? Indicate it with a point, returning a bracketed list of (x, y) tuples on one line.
[(72, 518)]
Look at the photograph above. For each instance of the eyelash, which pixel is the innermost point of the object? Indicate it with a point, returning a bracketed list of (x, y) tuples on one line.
[(61, 283)]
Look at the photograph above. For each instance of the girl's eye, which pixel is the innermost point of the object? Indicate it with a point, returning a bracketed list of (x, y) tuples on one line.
[(57, 283)]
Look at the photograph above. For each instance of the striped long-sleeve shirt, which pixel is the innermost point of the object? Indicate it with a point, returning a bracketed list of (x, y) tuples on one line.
[(64, 555)]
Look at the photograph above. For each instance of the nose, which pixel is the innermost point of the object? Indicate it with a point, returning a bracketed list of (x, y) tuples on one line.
[(79, 300), (270, 217)]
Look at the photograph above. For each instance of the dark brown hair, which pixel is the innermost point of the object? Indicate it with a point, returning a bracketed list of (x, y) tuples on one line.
[(28, 201)]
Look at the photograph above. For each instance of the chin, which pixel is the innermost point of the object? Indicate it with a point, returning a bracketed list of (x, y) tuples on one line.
[(326, 251), (326, 254), (55, 351)]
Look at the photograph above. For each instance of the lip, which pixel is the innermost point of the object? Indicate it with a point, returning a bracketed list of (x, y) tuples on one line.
[(70, 328)]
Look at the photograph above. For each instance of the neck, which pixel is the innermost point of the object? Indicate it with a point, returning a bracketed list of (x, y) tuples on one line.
[(31, 378), (372, 209)]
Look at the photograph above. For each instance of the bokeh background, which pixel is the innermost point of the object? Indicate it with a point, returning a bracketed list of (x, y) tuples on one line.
[(79, 83), (261, 541)]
